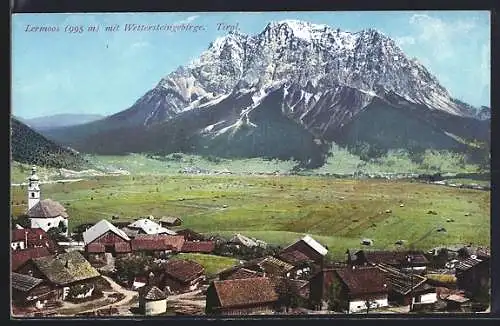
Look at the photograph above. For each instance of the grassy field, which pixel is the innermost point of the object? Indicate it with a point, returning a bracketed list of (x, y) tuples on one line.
[(281, 209), (212, 264)]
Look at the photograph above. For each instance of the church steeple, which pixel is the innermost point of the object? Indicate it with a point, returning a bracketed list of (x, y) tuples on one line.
[(33, 189)]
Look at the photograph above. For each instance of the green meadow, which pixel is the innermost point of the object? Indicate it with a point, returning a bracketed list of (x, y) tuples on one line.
[(281, 209)]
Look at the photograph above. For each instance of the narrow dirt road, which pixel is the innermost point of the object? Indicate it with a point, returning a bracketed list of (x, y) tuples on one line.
[(129, 295)]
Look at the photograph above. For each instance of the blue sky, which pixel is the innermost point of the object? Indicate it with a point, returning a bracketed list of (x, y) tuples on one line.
[(106, 72)]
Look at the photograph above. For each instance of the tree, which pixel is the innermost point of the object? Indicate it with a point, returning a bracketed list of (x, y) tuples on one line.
[(62, 227), (287, 296), (129, 267), (334, 296)]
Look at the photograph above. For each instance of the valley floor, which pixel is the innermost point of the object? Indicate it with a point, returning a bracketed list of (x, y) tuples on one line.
[(280, 209)]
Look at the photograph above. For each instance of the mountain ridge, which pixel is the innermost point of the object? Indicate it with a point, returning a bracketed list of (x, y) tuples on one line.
[(326, 79)]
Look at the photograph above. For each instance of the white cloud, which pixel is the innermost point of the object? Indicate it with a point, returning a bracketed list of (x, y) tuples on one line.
[(189, 19), (441, 34)]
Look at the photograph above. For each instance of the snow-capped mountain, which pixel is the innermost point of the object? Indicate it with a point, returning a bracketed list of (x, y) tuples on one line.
[(314, 79)]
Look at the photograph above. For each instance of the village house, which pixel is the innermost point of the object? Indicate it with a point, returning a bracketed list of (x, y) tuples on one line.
[(239, 240), (205, 247), (414, 261), (408, 289), (169, 221), (241, 297), (356, 288), (146, 226), (190, 235), (270, 266), (31, 238), (152, 300), (22, 256), (473, 275), (44, 214), (30, 291), (179, 275), (156, 244), (64, 272), (308, 247), (103, 238)]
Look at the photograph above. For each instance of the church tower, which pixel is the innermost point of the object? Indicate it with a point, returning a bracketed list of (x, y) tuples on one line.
[(33, 189)]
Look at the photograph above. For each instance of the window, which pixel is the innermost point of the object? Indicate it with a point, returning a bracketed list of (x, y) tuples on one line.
[(32, 195)]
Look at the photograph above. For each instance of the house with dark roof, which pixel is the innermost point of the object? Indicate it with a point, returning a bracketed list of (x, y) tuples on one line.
[(402, 259), (20, 257), (31, 238), (473, 275), (152, 300), (305, 247), (190, 235), (408, 288), (356, 288), (28, 290), (168, 221), (241, 297), (205, 247), (63, 272), (178, 275)]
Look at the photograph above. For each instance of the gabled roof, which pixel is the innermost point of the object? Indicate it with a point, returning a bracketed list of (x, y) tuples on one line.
[(47, 208), (243, 292), (170, 219), (401, 282), (315, 245), (150, 227), (101, 228), (270, 265), (20, 257), (183, 270), (66, 268), (150, 292), (363, 280), (243, 240), (468, 263), (24, 283), (294, 257)]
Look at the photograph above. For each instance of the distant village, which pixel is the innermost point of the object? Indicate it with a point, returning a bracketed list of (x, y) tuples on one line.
[(136, 268)]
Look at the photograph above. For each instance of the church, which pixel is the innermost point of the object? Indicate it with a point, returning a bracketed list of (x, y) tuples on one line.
[(47, 213)]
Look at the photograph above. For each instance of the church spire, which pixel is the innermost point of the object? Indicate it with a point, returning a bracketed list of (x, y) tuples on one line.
[(33, 189)]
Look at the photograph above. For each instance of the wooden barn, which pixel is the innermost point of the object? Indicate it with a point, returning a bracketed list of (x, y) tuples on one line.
[(63, 272), (241, 297), (308, 247), (179, 275), (168, 221), (473, 275), (103, 238), (30, 291)]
